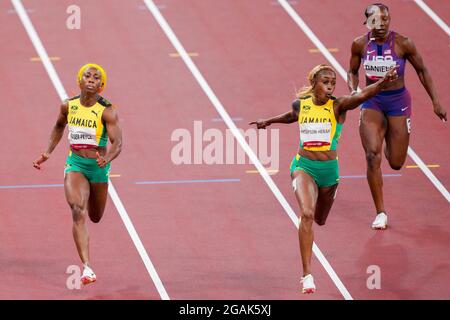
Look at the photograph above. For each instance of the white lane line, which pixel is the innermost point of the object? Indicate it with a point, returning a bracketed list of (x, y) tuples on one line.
[(299, 21), (428, 172), (254, 159), (433, 16), (111, 190)]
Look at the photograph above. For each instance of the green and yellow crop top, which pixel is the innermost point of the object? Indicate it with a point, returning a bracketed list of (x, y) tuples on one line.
[(319, 129), (86, 129)]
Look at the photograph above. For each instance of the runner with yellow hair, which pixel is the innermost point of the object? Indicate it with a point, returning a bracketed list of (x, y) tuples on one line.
[(96, 67), (314, 169), (92, 120)]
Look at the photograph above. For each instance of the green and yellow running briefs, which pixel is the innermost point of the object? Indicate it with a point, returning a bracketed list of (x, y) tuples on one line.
[(324, 173), (88, 167)]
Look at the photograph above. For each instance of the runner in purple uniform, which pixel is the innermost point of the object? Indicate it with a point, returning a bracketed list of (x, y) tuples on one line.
[(387, 115)]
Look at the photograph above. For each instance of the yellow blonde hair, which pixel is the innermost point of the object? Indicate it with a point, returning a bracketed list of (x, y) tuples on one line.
[(95, 66), (308, 90)]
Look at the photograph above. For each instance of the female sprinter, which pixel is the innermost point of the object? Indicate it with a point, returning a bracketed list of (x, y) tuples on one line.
[(387, 115), (314, 170), (91, 120)]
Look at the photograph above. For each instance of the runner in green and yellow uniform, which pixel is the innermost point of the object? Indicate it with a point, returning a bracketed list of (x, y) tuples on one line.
[(314, 170), (91, 120)]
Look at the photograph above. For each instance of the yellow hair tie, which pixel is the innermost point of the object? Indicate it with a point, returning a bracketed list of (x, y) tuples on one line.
[(95, 66)]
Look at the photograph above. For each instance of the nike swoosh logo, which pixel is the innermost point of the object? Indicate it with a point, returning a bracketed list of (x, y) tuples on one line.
[(403, 109), (369, 52)]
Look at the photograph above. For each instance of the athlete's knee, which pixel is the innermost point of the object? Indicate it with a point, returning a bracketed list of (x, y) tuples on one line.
[(373, 159), (320, 221), (78, 212), (308, 215), (396, 165), (95, 218)]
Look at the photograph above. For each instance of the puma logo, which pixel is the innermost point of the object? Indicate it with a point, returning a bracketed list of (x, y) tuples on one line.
[(96, 114), (327, 109)]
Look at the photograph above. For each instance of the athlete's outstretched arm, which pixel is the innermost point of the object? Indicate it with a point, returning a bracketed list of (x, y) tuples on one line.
[(346, 103), (111, 120), (416, 60), (355, 62), (287, 117), (55, 136)]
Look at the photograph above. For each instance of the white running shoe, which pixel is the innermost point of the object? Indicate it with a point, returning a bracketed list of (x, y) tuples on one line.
[(380, 222), (88, 276), (308, 284)]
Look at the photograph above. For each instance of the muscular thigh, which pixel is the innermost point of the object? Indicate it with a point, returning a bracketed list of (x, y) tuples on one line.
[(325, 201), (97, 199), (397, 138), (76, 188), (306, 191), (372, 129)]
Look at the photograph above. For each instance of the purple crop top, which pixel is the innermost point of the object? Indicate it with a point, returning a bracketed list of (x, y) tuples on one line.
[(378, 59)]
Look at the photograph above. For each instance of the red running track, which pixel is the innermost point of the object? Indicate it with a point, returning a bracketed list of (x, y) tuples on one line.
[(214, 240)]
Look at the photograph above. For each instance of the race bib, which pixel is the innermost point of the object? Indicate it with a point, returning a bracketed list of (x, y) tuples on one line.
[(315, 134), (82, 136), (377, 67)]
